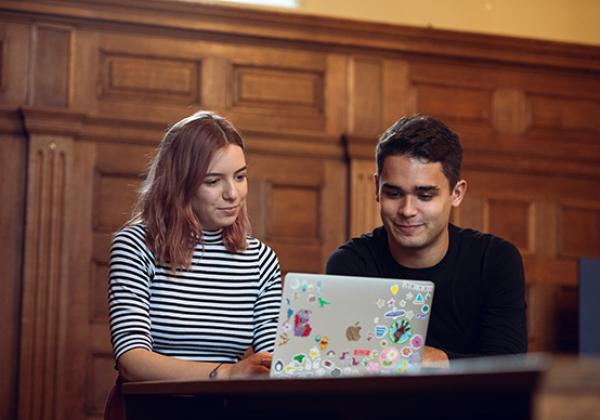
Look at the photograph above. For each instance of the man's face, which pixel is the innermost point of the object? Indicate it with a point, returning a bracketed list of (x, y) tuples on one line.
[(415, 201)]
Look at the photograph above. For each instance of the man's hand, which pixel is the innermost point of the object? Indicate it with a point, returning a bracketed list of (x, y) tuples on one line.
[(252, 365), (434, 358)]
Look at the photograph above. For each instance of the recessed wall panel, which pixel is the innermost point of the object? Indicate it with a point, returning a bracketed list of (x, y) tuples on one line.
[(580, 231), (511, 220), (141, 78), (114, 199), (294, 212)]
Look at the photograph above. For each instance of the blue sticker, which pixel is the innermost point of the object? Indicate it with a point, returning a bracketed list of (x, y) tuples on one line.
[(380, 331), (395, 314)]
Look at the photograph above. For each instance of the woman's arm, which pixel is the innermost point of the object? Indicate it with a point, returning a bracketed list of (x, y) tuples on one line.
[(144, 365), (268, 302)]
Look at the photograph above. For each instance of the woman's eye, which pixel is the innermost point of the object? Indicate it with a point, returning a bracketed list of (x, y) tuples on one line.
[(210, 181)]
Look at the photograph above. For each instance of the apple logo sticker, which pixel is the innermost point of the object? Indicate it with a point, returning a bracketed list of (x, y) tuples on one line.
[(353, 332)]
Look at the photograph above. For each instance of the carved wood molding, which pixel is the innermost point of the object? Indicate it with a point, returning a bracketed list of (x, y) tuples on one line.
[(92, 128), (506, 158), (51, 121), (10, 121), (277, 26)]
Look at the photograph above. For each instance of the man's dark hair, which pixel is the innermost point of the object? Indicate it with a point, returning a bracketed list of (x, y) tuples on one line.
[(424, 138)]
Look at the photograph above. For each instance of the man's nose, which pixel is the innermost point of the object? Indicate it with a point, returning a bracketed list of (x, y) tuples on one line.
[(408, 207)]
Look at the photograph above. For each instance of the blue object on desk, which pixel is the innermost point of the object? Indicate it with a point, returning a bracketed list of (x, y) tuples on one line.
[(589, 306)]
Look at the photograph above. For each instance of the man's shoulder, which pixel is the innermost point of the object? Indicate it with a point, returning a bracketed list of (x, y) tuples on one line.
[(357, 256), (472, 240), (365, 241)]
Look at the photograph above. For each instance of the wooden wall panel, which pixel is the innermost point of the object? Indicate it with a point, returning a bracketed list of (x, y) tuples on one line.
[(272, 88), (15, 42), (114, 77), (114, 200), (450, 102), (364, 210), (566, 113), (366, 93), (101, 377), (511, 111), (139, 78), (580, 230), (512, 220), (51, 78), (289, 201), (399, 95), (258, 87), (294, 212)]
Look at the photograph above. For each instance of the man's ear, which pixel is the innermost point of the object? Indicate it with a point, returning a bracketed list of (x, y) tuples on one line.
[(376, 179), (458, 193)]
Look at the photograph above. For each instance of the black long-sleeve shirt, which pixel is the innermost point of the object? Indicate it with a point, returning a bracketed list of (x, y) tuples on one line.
[(479, 300)]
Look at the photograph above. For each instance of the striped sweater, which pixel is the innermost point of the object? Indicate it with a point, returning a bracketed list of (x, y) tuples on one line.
[(212, 312)]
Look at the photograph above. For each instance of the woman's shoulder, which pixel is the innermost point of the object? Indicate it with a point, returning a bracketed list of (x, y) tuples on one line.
[(255, 244), (133, 235), (135, 230)]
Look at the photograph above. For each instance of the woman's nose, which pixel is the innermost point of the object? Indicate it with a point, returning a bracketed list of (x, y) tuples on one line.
[(230, 192)]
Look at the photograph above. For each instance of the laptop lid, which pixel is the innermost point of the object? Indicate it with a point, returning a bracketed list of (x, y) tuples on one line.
[(348, 326)]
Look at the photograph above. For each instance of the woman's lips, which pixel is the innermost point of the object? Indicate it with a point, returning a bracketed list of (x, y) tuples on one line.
[(229, 211)]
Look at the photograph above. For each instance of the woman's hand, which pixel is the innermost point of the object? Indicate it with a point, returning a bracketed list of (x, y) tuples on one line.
[(253, 365)]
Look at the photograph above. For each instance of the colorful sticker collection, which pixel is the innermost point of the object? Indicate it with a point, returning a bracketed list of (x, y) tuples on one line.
[(394, 346)]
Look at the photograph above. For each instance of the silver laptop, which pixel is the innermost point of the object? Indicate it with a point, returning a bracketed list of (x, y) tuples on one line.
[(349, 326)]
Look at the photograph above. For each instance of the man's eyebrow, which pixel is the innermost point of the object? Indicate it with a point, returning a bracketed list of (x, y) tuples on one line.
[(244, 168), (427, 188), (391, 186)]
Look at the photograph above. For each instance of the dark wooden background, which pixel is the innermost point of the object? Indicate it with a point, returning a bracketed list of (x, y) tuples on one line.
[(88, 87)]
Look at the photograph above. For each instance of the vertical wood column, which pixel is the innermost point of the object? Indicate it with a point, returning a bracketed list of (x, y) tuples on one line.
[(45, 277), (12, 205)]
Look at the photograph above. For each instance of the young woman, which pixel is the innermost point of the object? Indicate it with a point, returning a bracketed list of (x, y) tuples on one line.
[(189, 290)]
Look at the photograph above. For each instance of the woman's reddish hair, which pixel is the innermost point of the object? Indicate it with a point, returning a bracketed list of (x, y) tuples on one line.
[(164, 203)]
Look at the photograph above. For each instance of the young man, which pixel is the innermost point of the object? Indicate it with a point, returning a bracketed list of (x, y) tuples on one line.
[(478, 305)]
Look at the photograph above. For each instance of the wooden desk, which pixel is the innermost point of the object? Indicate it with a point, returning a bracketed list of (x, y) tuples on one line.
[(494, 388), (569, 390)]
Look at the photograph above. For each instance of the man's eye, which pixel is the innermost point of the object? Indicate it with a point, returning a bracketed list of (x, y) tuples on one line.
[(391, 194), (241, 177), (425, 197)]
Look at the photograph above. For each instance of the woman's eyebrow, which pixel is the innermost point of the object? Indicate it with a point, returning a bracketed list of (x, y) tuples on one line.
[(244, 168)]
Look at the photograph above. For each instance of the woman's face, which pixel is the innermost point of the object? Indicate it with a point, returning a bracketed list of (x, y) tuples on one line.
[(223, 192)]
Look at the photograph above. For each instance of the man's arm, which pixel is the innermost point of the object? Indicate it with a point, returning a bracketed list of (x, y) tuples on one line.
[(503, 326)]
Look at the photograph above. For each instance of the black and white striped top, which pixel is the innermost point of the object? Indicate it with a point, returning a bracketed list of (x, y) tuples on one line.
[(212, 312)]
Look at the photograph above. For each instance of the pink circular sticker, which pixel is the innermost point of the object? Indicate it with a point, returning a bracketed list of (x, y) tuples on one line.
[(416, 342)]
